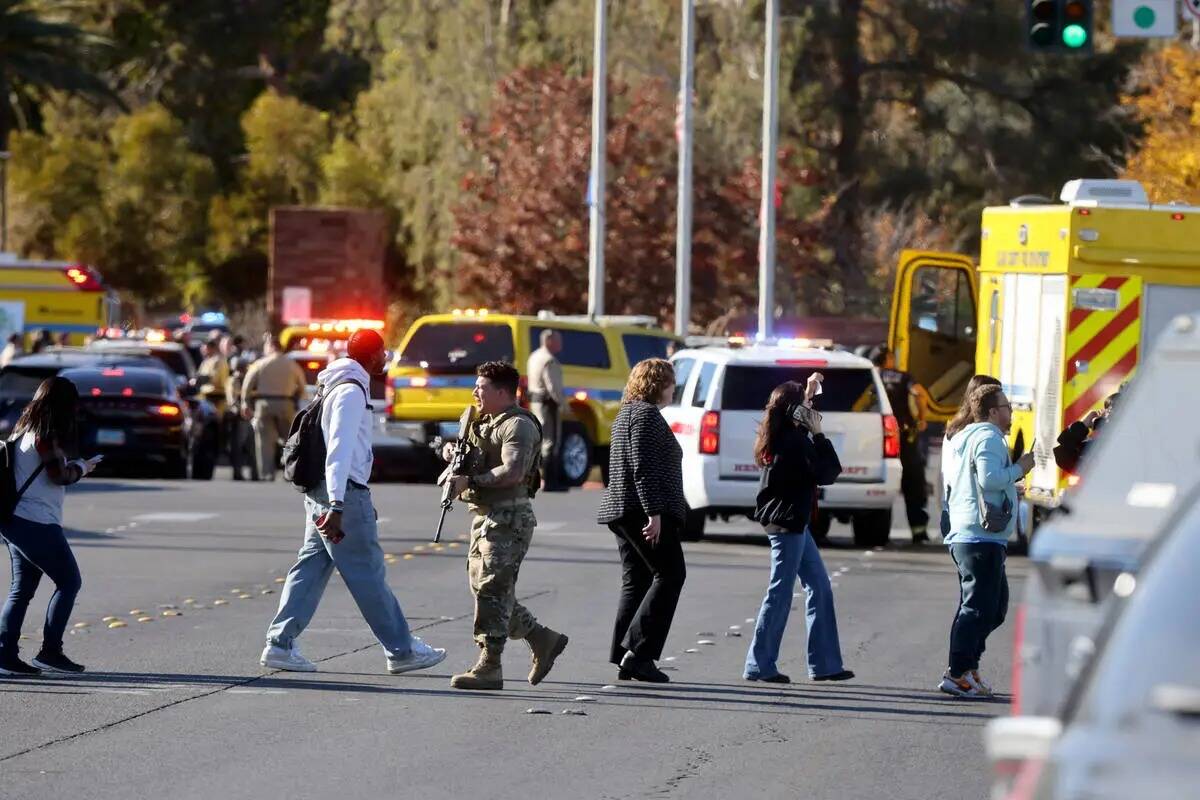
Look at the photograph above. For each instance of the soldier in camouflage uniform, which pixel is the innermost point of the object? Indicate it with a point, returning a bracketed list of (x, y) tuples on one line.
[(503, 477)]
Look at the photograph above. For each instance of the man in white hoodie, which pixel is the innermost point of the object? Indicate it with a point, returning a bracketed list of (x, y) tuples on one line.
[(341, 530)]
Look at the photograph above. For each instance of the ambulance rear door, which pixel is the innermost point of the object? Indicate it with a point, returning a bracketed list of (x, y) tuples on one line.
[(933, 325)]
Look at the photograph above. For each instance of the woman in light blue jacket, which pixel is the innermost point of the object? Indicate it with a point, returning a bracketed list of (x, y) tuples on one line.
[(982, 507)]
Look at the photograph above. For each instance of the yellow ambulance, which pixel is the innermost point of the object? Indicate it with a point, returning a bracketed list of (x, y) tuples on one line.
[(57, 296), (431, 379), (1065, 301)]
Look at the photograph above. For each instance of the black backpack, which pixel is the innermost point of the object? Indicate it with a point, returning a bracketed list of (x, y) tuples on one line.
[(10, 495), (304, 451)]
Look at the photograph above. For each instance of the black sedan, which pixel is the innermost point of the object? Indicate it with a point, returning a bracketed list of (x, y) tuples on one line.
[(136, 417)]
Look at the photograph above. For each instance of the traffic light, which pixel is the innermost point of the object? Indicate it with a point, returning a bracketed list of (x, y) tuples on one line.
[(1059, 26)]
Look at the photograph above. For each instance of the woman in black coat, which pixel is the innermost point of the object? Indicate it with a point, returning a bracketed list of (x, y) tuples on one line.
[(644, 506), (795, 458)]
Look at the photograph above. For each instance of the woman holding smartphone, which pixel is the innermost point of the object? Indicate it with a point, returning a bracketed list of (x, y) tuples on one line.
[(43, 438), (795, 458)]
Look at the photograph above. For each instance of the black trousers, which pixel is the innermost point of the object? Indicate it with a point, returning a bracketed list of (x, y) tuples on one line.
[(912, 484), (651, 581)]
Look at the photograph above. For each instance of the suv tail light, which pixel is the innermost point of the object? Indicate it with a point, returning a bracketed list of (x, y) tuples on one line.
[(891, 437), (710, 433)]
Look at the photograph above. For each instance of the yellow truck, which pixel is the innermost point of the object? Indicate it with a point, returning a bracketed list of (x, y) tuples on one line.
[(57, 296), (1065, 301), (431, 379)]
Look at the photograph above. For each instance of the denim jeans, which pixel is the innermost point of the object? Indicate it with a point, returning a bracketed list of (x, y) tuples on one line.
[(36, 548), (795, 555), (982, 602), (359, 559)]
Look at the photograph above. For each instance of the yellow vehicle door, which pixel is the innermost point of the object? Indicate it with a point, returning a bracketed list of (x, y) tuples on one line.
[(933, 325)]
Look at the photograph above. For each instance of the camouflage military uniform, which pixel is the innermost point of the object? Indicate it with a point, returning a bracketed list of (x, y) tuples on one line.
[(503, 526)]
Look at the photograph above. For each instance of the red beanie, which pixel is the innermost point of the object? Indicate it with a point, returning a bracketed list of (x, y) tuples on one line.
[(364, 344)]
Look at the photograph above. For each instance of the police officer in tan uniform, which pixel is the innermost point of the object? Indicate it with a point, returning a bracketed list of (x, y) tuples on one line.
[(270, 391), (546, 402), (499, 484)]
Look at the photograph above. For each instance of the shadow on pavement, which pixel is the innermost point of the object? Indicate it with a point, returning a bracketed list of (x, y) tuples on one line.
[(102, 486)]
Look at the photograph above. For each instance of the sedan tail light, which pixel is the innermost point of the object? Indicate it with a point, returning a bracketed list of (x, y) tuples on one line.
[(891, 437), (166, 410), (710, 433)]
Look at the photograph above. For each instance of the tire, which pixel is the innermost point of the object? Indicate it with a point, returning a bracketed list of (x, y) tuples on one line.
[(203, 461), (574, 455), (177, 467), (872, 528), (693, 526), (820, 524)]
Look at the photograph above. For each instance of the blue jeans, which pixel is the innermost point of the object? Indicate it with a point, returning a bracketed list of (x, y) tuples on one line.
[(359, 559), (982, 602), (795, 555), (36, 548)]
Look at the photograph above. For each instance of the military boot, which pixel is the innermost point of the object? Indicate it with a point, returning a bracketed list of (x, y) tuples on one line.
[(545, 645), (486, 674)]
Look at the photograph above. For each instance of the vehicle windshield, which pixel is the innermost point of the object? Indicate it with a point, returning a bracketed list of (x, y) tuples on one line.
[(23, 381), (748, 388), (457, 346), (117, 381), (1159, 619)]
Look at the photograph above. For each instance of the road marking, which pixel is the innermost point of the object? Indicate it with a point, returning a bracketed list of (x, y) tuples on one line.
[(174, 516), (257, 691)]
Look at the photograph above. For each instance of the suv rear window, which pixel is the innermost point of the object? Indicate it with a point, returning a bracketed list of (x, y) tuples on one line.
[(580, 348), (118, 381), (24, 381), (748, 388), (458, 346), (639, 347)]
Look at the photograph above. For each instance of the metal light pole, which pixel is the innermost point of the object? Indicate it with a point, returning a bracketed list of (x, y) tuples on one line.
[(770, 134), (683, 224), (596, 187)]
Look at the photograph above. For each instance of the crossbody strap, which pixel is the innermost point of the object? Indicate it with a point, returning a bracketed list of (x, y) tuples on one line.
[(37, 471)]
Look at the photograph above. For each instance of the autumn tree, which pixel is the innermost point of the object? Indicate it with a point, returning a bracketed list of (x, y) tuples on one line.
[(1168, 106)]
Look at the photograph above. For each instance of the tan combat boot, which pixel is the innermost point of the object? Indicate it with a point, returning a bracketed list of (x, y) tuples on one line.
[(486, 673), (546, 645)]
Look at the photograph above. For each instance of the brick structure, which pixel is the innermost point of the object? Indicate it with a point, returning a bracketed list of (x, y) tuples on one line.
[(338, 253)]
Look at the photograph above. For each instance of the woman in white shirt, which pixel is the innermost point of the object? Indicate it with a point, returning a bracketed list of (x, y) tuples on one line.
[(44, 435)]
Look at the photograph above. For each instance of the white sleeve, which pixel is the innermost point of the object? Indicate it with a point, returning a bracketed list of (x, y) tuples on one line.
[(340, 422)]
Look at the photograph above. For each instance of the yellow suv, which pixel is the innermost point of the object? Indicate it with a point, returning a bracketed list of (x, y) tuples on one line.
[(430, 382)]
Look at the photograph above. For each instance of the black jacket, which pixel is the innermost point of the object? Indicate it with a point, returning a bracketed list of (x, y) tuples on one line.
[(645, 467), (787, 490), (1073, 444)]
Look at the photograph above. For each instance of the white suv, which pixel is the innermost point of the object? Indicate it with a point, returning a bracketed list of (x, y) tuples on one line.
[(720, 395)]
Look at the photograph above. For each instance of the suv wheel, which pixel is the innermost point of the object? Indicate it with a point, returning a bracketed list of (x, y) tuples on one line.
[(872, 528), (203, 456), (693, 526), (574, 454)]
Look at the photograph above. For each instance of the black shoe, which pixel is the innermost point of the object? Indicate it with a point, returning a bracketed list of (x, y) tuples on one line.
[(56, 662), (920, 538), (844, 675), (11, 665), (645, 671), (778, 677)]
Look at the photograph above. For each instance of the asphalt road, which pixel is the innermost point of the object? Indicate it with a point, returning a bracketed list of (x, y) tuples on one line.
[(178, 707)]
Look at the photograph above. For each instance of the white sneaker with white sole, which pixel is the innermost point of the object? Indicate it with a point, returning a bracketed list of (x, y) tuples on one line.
[(290, 660), (422, 656)]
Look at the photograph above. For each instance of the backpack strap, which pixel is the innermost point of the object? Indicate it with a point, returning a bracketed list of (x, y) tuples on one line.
[(326, 392)]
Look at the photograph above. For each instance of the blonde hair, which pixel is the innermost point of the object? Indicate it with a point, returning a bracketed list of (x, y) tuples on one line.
[(648, 380)]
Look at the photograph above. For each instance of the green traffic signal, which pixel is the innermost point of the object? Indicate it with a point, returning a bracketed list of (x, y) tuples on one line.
[(1074, 36)]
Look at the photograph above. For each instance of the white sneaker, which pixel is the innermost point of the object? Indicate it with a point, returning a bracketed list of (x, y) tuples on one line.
[(974, 677), (960, 687), (422, 657), (291, 660)]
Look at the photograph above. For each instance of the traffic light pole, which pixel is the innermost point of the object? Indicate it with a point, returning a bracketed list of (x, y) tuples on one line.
[(770, 135), (683, 224)]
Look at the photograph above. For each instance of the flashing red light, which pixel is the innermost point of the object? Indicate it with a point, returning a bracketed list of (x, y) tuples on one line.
[(710, 433), (891, 437), (480, 338), (167, 410), (95, 391), (113, 372), (802, 362), (83, 277), (1085, 212), (185, 318), (1177, 216), (127, 392)]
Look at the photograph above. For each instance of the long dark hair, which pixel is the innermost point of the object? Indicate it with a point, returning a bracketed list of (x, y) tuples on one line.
[(777, 418), (51, 415), (963, 417)]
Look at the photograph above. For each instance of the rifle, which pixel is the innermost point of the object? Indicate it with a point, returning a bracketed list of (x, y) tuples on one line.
[(458, 466)]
